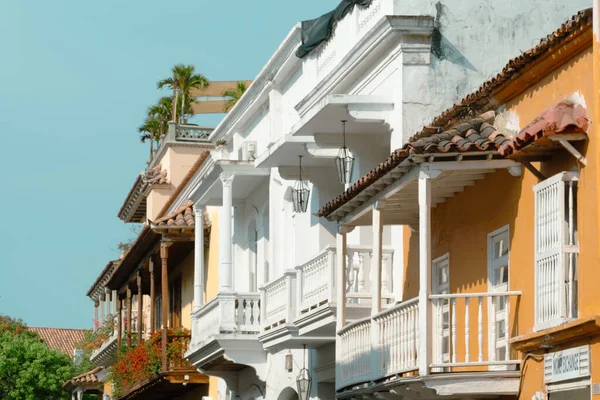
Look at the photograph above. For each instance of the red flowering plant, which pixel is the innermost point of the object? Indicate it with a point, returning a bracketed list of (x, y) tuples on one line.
[(92, 341), (144, 361)]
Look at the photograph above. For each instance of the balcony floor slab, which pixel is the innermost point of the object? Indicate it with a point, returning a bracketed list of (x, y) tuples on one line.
[(453, 385)]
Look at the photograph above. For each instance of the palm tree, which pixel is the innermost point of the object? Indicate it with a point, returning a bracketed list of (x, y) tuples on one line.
[(184, 79), (150, 129), (163, 112), (233, 95)]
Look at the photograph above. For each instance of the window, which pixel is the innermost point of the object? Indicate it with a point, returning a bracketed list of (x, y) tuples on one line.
[(440, 284), (498, 273), (556, 250), (175, 303)]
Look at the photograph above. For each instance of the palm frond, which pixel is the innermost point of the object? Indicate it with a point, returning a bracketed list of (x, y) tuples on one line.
[(233, 95)]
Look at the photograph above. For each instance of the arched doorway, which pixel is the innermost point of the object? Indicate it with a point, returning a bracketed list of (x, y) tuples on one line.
[(288, 394)]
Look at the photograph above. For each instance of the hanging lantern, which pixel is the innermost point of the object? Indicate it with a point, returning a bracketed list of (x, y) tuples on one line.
[(304, 381), (300, 193), (344, 160)]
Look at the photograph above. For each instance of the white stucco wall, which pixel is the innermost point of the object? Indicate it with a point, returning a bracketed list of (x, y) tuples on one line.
[(472, 41)]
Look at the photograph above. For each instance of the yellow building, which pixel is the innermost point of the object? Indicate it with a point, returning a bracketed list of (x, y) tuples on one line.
[(150, 289), (499, 205)]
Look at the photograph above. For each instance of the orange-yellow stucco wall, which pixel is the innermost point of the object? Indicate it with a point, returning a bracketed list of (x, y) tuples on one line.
[(461, 225), (212, 281)]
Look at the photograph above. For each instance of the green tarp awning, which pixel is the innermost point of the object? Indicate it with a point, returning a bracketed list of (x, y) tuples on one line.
[(316, 31)]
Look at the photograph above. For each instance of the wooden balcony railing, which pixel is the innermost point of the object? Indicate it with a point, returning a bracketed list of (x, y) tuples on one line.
[(177, 345), (469, 330)]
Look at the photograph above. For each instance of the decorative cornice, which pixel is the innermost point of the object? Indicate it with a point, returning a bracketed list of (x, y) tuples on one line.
[(262, 81), (406, 28)]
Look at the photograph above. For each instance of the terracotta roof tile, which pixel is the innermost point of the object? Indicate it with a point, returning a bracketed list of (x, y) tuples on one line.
[(64, 340), (89, 377), (563, 117), (481, 97), (474, 135), (457, 136), (182, 217)]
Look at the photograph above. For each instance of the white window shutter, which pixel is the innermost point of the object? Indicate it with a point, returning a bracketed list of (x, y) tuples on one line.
[(550, 228)]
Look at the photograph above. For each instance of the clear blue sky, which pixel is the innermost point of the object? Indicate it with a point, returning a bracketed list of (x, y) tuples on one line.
[(75, 80)]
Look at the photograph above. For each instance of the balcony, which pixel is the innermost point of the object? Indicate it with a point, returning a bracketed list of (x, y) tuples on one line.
[(227, 325), (135, 376), (300, 306), (470, 333), (106, 354), (181, 135)]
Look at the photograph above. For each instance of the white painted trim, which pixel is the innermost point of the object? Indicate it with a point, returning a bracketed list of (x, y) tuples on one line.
[(424, 348), (437, 331), (258, 90), (403, 28), (566, 386), (490, 271)]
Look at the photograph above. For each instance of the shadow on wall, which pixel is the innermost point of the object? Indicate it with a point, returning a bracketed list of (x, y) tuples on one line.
[(442, 48)]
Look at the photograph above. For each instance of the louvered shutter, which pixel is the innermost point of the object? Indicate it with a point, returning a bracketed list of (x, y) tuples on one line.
[(550, 228)]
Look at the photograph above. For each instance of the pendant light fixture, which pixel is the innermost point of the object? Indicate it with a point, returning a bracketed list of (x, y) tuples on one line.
[(304, 380), (300, 193), (344, 160)]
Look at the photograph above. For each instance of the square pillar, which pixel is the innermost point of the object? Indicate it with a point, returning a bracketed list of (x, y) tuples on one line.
[(164, 257), (129, 327), (199, 279), (425, 320), (152, 296), (340, 275), (140, 306), (377, 259)]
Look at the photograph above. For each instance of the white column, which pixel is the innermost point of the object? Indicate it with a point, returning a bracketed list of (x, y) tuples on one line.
[(225, 235), (108, 301), (340, 284), (198, 257), (425, 338), (96, 305), (340, 288), (114, 302), (101, 310), (377, 259)]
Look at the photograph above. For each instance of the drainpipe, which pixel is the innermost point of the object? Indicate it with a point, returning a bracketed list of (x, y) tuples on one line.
[(595, 133)]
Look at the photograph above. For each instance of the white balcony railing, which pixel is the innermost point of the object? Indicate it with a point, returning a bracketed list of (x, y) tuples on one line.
[(356, 358), (387, 344), (492, 315), (107, 352), (398, 327), (279, 301), (317, 279), (227, 313)]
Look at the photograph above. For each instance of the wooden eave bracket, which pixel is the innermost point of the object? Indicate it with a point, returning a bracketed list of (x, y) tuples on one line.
[(527, 164), (547, 338), (565, 142)]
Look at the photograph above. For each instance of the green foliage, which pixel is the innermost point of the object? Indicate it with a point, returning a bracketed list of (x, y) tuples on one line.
[(92, 341), (184, 78), (143, 361), (29, 370), (233, 95)]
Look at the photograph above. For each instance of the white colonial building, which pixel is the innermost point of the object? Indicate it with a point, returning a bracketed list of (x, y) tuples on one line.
[(389, 67)]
